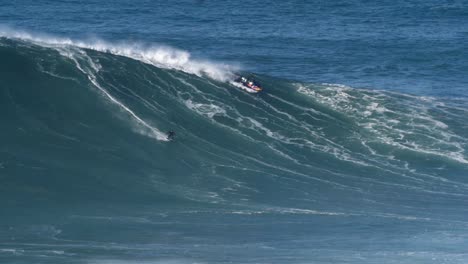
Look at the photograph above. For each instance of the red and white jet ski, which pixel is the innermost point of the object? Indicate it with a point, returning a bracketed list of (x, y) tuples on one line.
[(248, 85)]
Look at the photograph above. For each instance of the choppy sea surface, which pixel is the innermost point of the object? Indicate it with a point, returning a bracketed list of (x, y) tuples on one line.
[(354, 152)]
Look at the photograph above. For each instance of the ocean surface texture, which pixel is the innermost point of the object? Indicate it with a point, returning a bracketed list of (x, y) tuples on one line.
[(355, 152)]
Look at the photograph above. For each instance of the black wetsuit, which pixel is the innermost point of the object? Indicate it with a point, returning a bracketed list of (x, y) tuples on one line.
[(170, 135)]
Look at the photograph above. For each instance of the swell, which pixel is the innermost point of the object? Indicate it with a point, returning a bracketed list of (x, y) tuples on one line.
[(86, 121)]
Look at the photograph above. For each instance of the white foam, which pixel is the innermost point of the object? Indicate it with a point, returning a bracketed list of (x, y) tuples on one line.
[(306, 211), (12, 251), (404, 121), (209, 110), (158, 55)]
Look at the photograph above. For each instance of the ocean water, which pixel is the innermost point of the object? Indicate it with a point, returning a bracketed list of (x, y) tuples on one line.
[(355, 152)]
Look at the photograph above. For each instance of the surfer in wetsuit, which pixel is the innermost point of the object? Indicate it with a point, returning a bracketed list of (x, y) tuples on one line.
[(170, 135)]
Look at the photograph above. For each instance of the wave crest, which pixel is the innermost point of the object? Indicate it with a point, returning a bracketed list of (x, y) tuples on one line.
[(162, 56)]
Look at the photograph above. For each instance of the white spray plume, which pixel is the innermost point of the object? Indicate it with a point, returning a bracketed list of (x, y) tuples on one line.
[(157, 55)]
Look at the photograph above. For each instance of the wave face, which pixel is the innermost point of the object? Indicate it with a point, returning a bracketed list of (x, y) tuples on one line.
[(300, 172)]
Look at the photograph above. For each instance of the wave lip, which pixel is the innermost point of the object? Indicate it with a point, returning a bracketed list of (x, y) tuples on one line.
[(158, 55)]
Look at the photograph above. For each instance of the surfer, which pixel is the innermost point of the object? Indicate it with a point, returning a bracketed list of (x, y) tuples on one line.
[(170, 135)]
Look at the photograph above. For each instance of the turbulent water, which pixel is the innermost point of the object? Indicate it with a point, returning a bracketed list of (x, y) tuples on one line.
[(304, 172)]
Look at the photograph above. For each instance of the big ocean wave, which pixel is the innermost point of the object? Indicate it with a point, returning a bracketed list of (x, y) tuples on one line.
[(84, 122)]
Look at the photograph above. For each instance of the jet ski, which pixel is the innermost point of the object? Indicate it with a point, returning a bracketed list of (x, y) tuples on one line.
[(248, 84)]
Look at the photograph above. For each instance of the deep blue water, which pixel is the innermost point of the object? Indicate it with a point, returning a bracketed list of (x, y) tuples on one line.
[(355, 152)]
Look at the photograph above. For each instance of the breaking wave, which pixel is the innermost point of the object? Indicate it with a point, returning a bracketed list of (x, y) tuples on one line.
[(84, 123)]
